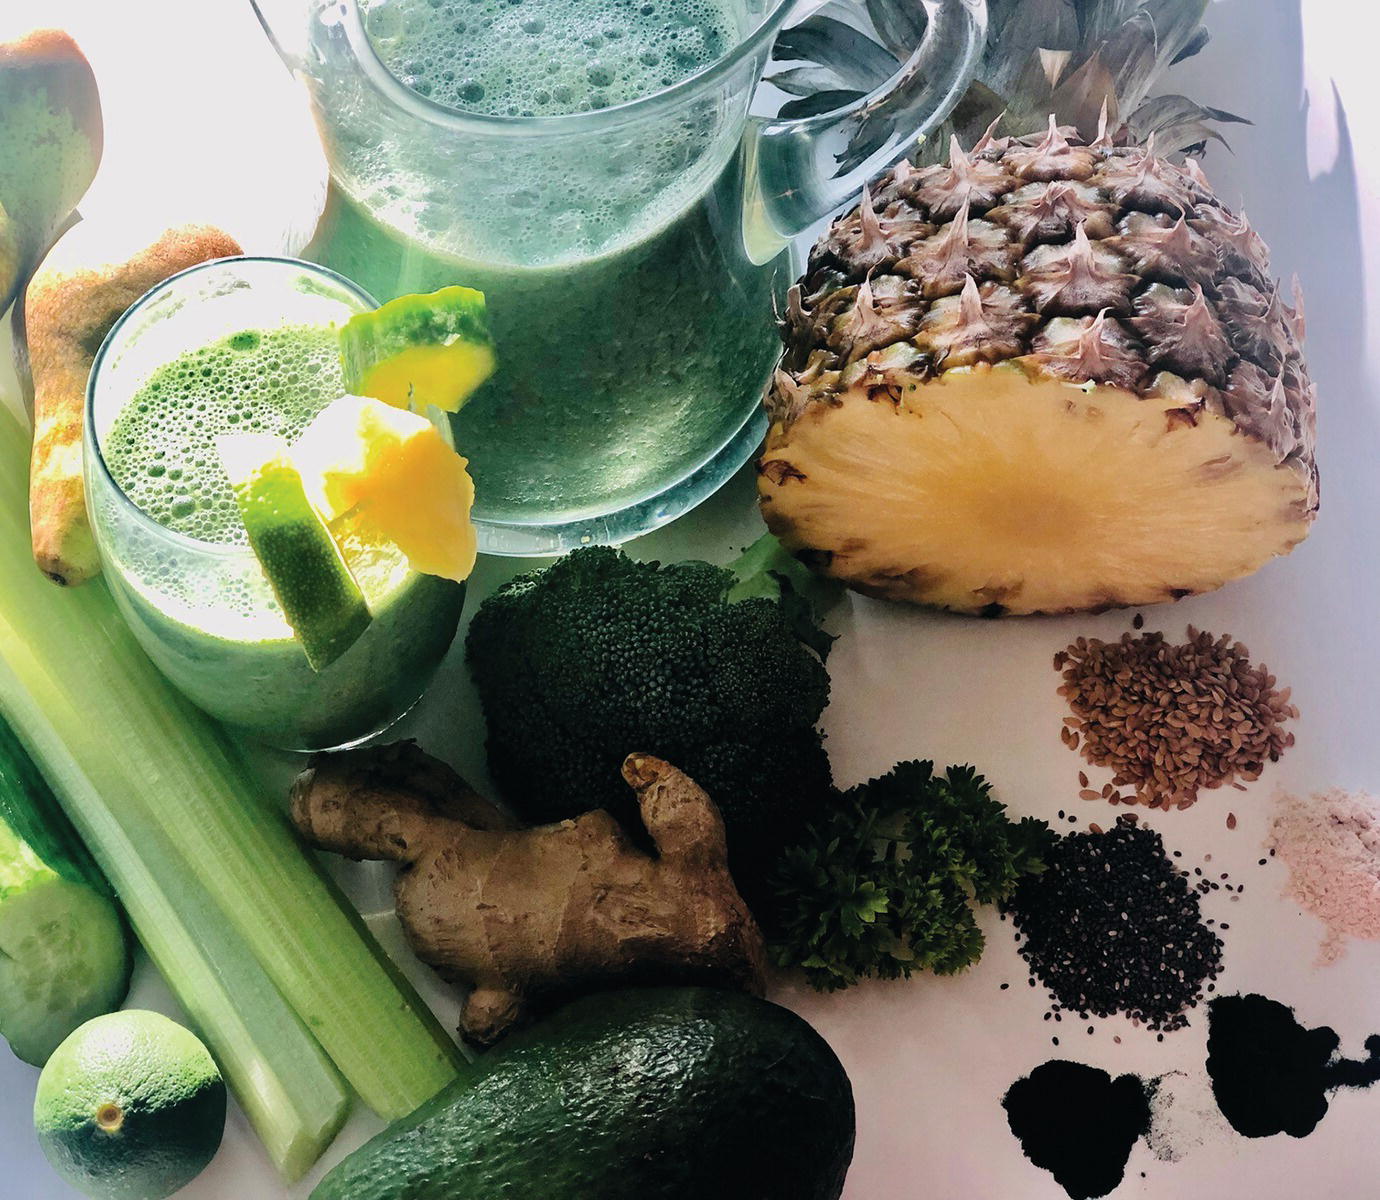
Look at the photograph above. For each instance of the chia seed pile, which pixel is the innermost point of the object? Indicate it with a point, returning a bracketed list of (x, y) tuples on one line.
[(1112, 925), (1168, 720)]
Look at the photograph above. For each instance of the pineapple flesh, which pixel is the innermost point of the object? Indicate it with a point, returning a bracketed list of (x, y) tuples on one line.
[(1053, 375)]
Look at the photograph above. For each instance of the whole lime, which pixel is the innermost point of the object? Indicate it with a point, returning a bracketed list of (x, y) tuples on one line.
[(130, 1107)]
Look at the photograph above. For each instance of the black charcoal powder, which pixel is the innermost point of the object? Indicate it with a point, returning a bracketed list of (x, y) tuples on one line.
[(1078, 1123), (1272, 1075)]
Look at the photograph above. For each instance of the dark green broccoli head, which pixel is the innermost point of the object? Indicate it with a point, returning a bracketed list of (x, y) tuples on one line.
[(598, 655)]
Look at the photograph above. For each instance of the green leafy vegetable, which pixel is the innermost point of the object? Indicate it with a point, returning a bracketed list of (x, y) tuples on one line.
[(767, 569), (598, 656), (884, 884)]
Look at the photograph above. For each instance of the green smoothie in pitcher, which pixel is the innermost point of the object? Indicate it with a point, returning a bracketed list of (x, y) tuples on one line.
[(634, 337)]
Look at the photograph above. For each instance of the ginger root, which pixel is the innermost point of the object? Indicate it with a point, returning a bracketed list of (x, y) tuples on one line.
[(529, 917), (68, 310)]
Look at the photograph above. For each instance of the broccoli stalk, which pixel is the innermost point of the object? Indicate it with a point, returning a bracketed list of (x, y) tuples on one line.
[(717, 670), (883, 884)]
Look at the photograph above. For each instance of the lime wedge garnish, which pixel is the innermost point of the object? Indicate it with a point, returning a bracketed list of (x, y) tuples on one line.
[(418, 351), (389, 477), (315, 589)]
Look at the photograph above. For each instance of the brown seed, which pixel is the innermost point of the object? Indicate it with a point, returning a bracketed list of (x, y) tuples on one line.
[(1171, 720)]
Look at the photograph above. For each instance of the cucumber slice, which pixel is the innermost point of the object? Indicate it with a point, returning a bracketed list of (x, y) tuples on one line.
[(420, 350), (315, 589), (63, 960), (64, 950)]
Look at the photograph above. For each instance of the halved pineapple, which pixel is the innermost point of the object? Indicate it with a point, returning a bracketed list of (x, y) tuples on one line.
[(1048, 377), (1025, 495)]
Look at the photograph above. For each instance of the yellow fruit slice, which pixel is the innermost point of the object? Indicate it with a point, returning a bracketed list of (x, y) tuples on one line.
[(390, 476), (318, 595), (417, 351)]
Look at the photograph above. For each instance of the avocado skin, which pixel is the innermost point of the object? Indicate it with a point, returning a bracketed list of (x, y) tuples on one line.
[(646, 1094)]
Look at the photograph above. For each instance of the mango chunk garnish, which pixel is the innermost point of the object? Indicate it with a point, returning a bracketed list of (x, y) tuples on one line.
[(392, 477)]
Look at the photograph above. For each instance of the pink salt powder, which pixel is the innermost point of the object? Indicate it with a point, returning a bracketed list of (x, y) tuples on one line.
[(1331, 844)]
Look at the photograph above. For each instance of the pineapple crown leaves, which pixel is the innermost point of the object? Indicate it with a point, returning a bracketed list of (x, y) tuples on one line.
[(884, 884), (1067, 57)]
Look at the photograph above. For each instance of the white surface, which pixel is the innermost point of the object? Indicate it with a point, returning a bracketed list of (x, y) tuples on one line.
[(930, 1059)]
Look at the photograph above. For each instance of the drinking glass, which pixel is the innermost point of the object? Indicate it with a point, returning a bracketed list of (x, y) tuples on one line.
[(633, 257), (204, 611)]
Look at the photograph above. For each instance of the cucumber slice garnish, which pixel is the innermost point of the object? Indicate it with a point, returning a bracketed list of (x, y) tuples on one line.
[(319, 596), (421, 350)]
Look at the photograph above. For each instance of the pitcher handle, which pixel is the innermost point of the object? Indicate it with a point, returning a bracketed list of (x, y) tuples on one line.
[(285, 22), (806, 166)]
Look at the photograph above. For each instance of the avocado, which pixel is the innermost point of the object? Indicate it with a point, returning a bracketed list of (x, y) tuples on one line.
[(645, 1094)]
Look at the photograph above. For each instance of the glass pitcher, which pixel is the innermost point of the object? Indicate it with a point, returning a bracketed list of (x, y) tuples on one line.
[(633, 257)]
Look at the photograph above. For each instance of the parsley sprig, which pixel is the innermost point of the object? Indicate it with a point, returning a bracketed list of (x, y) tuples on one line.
[(884, 885)]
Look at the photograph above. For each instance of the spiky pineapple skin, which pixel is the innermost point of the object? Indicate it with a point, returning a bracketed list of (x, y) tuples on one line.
[(1101, 267)]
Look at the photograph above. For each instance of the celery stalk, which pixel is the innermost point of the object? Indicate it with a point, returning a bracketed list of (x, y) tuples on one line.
[(77, 679), (290, 1091)]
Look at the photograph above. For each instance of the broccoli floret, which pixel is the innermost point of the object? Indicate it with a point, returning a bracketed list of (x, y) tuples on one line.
[(883, 883), (599, 655)]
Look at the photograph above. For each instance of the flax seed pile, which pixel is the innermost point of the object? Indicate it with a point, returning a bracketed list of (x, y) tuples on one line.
[(1167, 719)]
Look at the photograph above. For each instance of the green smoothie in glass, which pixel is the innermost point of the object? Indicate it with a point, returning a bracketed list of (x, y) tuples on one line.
[(634, 332), (238, 346)]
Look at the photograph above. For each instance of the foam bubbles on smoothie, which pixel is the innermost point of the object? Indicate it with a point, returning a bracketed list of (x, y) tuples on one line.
[(546, 57), (161, 448)]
